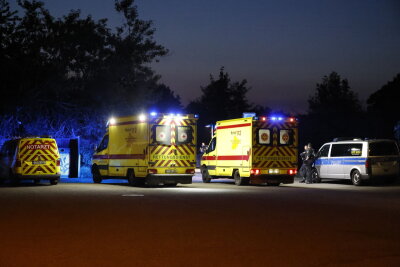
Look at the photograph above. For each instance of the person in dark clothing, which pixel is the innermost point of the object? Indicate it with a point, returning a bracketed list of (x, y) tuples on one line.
[(303, 169), (310, 156)]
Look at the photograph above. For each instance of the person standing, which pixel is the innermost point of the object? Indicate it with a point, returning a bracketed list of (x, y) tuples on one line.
[(303, 169), (310, 156)]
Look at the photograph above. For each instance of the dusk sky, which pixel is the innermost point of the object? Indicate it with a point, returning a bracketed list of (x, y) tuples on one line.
[(283, 48)]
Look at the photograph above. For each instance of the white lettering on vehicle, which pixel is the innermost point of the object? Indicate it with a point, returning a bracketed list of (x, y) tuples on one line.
[(34, 147)]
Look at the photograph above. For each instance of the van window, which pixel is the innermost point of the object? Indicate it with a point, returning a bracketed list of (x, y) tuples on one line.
[(104, 144), (212, 145), (184, 135), (346, 150), (264, 136), (385, 148), (163, 134), (9, 148), (286, 137), (323, 152)]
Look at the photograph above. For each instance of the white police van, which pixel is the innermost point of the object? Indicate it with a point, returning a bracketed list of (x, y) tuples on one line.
[(358, 160)]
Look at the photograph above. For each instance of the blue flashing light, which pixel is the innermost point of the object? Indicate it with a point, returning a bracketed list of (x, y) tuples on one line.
[(273, 118), (153, 114), (280, 118), (196, 115), (248, 114)]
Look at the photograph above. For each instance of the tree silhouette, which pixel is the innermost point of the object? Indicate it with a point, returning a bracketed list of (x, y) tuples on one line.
[(66, 75), (334, 111), (221, 99), (333, 96), (383, 107)]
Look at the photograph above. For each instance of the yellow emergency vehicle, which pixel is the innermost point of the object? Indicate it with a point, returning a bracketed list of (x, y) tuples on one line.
[(149, 148), (254, 150), (34, 158)]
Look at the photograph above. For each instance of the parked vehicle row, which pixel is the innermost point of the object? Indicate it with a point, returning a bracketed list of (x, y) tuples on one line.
[(156, 149)]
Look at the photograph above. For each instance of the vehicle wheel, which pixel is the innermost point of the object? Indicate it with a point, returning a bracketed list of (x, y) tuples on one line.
[(205, 176), (54, 182), (15, 181), (356, 178), (36, 181), (315, 177), (96, 175), (238, 180), (391, 180), (132, 180)]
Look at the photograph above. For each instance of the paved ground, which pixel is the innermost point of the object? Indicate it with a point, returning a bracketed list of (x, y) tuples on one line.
[(217, 224)]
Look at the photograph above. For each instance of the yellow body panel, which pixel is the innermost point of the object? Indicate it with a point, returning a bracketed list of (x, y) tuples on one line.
[(37, 157), (248, 145), (148, 146)]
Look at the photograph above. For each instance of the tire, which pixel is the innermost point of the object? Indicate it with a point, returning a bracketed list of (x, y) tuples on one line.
[(356, 178), (205, 176), (54, 181), (15, 181), (96, 175), (239, 180), (132, 181), (315, 176)]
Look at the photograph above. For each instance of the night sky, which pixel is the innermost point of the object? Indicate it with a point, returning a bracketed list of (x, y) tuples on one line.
[(283, 48)]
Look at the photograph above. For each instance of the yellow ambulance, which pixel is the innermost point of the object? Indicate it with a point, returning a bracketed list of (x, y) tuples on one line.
[(30, 158), (148, 148), (255, 150)]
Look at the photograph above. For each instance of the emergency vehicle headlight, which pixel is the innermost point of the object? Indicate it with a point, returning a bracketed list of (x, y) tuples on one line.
[(112, 121), (142, 117)]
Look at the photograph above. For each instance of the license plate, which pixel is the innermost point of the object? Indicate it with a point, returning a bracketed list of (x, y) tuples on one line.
[(170, 171), (38, 162)]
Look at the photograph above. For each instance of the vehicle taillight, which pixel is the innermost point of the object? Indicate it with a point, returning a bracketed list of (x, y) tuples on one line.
[(190, 171), (255, 171), (18, 163), (368, 166), (292, 171), (152, 171), (58, 162)]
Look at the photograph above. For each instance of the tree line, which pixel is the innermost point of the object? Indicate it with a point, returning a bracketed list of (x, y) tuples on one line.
[(65, 76)]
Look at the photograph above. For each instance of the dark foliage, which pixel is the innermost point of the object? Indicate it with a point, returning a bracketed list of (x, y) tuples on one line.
[(383, 107), (63, 76), (221, 99), (334, 111)]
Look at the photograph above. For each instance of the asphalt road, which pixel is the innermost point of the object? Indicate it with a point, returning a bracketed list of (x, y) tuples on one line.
[(217, 224)]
